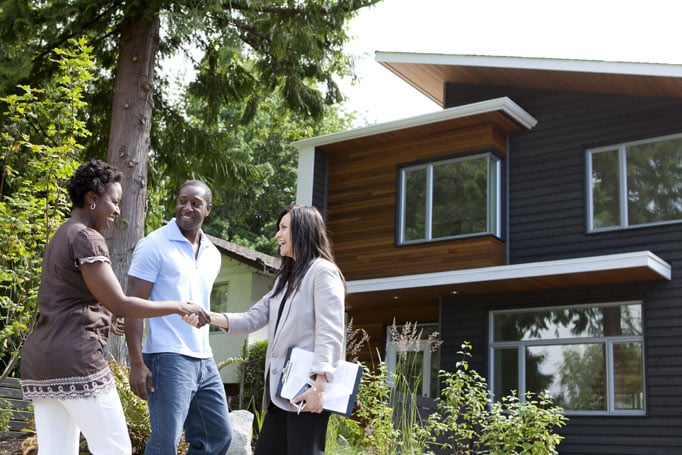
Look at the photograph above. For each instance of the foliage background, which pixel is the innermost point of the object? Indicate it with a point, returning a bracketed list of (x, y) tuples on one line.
[(40, 144)]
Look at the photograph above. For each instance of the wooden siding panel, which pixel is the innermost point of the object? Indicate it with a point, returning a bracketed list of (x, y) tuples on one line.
[(362, 209), (359, 262)]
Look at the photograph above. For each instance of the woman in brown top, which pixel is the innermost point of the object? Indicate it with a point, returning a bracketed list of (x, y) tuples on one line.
[(63, 368)]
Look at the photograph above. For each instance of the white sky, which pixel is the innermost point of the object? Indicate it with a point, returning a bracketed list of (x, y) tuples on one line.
[(611, 30)]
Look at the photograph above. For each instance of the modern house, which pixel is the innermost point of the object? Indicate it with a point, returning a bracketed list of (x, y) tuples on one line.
[(537, 216), (246, 275)]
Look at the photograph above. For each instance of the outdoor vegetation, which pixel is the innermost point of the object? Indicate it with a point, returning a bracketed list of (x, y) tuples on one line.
[(183, 89), (466, 419), (265, 77), (232, 126)]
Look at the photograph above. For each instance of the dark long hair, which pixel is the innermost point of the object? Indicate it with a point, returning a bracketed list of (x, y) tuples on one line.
[(310, 241)]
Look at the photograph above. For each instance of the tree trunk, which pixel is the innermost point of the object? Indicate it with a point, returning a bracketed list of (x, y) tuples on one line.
[(129, 144)]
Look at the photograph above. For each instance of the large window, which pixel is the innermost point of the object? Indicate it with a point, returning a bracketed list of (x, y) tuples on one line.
[(589, 358), (449, 198), (635, 183), (218, 301)]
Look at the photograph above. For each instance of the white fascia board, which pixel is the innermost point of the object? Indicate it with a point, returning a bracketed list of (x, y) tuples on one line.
[(548, 64), (516, 271), (503, 104), (305, 175)]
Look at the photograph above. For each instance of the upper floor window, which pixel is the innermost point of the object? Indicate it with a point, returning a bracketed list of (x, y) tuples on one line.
[(635, 183), (590, 358), (449, 198)]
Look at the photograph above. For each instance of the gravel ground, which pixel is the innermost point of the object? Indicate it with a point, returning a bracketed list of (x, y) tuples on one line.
[(11, 446)]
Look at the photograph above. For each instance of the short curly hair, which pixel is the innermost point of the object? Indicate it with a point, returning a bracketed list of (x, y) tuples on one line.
[(94, 175)]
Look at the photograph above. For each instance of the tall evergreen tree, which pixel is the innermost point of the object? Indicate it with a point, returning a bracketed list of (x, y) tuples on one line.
[(249, 48)]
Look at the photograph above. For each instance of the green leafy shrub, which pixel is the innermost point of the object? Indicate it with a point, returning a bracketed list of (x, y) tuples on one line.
[(135, 409), (523, 427), (40, 151), (373, 428), (5, 415), (469, 421), (253, 372)]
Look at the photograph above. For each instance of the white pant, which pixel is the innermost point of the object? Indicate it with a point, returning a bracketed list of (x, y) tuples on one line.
[(101, 419)]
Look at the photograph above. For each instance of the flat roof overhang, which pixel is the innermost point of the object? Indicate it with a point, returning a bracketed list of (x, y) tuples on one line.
[(497, 111), (428, 73), (629, 267)]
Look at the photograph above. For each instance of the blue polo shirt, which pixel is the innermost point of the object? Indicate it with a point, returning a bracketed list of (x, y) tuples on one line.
[(166, 258)]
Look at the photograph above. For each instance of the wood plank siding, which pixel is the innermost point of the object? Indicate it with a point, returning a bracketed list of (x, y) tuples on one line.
[(359, 178), (547, 221), (361, 205)]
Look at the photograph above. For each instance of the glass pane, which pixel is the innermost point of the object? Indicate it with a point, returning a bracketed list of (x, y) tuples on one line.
[(605, 189), (506, 368), (573, 374), (434, 388), (654, 173), (415, 204), (561, 323), (218, 301), (628, 376), (460, 198)]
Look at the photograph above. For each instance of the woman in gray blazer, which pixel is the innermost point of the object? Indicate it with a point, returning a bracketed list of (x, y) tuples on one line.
[(304, 309)]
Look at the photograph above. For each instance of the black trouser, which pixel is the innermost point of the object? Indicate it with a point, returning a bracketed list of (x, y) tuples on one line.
[(287, 433)]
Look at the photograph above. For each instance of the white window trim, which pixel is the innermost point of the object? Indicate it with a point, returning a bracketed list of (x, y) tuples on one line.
[(608, 342)]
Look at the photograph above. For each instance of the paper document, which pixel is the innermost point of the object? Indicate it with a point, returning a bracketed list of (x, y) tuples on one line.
[(339, 395)]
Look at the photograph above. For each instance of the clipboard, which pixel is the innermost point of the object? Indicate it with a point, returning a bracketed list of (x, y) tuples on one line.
[(339, 395)]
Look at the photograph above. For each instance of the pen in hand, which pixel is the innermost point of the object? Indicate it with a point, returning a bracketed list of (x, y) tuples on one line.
[(300, 405)]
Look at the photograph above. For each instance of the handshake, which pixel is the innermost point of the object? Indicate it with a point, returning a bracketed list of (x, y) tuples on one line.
[(217, 319), (195, 315), (195, 320)]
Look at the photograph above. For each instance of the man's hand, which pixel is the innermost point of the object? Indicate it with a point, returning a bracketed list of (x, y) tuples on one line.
[(141, 379)]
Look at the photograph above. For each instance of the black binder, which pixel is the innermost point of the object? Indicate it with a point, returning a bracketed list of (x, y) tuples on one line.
[(339, 395)]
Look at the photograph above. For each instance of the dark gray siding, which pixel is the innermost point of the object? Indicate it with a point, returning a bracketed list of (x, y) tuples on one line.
[(546, 190), (546, 207), (660, 430)]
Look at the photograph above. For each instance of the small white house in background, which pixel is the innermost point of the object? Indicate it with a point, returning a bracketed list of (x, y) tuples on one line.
[(245, 276)]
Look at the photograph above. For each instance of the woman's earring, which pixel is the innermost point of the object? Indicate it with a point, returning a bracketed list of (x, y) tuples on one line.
[(92, 206)]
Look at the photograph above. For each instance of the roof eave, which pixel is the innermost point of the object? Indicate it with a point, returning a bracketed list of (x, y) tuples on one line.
[(503, 104)]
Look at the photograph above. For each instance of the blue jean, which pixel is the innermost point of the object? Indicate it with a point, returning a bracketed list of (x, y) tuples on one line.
[(188, 393)]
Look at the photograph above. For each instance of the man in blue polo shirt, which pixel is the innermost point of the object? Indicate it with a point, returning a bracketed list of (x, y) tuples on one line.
[(175, 370)]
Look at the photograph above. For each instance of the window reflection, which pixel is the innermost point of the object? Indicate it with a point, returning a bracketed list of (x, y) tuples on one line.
[(449, 198), (574, 374), (569, 323), (636, 183), (628, 376), (589, 358), (506, 371)]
